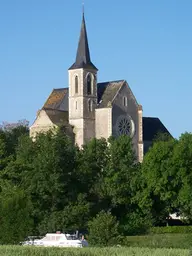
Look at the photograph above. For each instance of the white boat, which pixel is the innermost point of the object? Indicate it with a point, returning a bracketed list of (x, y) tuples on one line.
[(58, 240)]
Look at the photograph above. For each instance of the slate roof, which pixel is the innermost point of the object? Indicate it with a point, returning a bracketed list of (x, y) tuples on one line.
[(57, 116), (55, 98), (151, 127), (107, 91), (83, 59)]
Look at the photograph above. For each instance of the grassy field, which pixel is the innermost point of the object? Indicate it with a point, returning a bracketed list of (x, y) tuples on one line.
[(150, 245), (181, 241), (34, 251)]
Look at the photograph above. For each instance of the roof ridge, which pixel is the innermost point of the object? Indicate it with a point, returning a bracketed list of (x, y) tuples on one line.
[(112, 81), (65, 88), (123, 82), (151, 117), (52, 109)]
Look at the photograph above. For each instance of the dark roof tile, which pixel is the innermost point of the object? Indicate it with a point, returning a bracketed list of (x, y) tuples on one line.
[(56, 116), (151, 127), (106, 92)]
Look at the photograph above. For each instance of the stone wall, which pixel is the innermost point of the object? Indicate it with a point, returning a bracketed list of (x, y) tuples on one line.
[(41, 124), (134, 112), (103, 123)]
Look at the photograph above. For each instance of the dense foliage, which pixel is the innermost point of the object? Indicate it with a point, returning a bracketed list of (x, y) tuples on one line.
[(53, 185), (103, 229), (171, 230)]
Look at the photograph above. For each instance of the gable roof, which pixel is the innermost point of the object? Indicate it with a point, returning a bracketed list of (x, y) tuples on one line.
[(55, 98), (151, 127), (106, 92)]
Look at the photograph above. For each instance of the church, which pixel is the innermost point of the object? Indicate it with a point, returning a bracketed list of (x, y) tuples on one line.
[(89, 109)]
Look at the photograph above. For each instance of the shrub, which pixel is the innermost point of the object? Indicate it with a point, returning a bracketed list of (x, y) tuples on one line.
[(171, 229), (135, 224), (103, 229)]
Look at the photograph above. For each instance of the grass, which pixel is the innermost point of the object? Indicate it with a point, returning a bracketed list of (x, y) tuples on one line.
[(181, 241), (111, 251), (150, 245)]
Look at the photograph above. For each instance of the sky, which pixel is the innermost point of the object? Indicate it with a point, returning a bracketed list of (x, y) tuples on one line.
[(147, 43)]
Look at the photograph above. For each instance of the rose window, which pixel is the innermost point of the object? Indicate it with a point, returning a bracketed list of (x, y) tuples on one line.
[(124, 126)]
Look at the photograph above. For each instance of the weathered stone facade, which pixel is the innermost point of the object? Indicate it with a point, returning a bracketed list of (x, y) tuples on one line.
[(103, 122), (89, 109), (82, 104)]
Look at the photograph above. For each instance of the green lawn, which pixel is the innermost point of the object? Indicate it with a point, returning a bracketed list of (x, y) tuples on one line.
[(151, 245), (182, 241), (35, 251)]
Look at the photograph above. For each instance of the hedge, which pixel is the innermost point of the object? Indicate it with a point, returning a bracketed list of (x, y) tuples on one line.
[(171, 229), (182, 241)]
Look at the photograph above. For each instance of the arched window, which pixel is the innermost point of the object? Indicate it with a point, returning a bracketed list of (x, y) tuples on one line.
[(90, 105), (125, 101), (76, 84), (89, 84)]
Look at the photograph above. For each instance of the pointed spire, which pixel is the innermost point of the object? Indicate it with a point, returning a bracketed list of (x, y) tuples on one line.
[(83, 59), (83, 7)]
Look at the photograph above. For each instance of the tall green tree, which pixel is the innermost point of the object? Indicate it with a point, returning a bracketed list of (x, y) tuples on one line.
[(182, 161), (91, 162), (15, 215), (9, 138), (122, 185), (72, 217), (159, 179)]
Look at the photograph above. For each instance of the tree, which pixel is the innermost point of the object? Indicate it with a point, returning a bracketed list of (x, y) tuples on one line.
[(162, 137), (120, 170), (103, 229), (122, 185), (9, 138), (182, 161), (159, 183), (73, 217), (45, 170), (91, 162), (15, 215)]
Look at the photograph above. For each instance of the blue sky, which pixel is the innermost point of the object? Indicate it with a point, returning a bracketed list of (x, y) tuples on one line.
[(148, 43)]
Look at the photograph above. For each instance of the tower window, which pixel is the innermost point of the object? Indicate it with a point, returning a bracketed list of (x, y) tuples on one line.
[(89, 85), (125, 101), (90, 105), (76, 84), (76, 105)]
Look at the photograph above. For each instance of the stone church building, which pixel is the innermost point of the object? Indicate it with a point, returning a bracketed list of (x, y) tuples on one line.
[(90, 109)]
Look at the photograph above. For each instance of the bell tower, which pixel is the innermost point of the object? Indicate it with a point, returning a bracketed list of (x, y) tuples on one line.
[(82, 91)]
